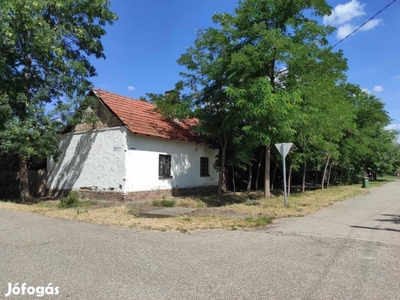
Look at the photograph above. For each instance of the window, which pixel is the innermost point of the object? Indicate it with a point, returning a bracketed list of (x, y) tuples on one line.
[(204, 167), (164, 166)]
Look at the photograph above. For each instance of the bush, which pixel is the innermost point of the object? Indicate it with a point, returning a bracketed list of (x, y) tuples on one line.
[(250, 202), (165, 203), (259, 221), (72, 200)]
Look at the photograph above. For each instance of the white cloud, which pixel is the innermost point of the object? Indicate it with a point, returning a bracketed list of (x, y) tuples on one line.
[(371, 24), (343, 13), (345, 30), (378, 88), (131, 88), (393, 127), (397, 77)]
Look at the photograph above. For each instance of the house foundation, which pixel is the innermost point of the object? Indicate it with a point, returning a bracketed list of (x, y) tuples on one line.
[(136, 196)]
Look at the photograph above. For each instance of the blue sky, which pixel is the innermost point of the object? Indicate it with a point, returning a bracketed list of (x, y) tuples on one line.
[(143, 45)]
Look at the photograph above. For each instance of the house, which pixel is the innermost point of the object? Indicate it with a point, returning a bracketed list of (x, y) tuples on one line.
[(131, 153)]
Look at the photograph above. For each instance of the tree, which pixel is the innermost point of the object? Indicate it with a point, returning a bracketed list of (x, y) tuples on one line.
[(45, 48), (248, 72), (207, 79), (278, 48), (368, 145), (172, 104)]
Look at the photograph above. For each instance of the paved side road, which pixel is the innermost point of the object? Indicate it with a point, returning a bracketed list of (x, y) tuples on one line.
[(348, 251)]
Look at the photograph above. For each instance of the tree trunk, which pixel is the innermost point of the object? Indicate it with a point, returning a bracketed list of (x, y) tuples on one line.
[(250, 177), (222, 169), (329, 175), (233, 180), (258, 169), (324, 176), (289, 182), (23, 180), (303, 188), (224, 181), (273, 176), (267, 172)]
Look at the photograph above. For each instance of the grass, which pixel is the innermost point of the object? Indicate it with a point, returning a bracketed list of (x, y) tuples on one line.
[(382, 180), (165, 203), (258, 211)]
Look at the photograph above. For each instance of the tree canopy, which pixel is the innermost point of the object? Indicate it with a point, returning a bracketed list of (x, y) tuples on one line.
[(45, 69), (266, 74)]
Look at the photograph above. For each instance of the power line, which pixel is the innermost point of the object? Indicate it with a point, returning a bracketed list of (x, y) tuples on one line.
[(363, 24)]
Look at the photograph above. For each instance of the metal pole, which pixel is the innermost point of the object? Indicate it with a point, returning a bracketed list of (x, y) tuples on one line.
[(284, 181)]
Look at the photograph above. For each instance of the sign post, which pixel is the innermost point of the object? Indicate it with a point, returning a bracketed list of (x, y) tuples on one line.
[(284, 150)]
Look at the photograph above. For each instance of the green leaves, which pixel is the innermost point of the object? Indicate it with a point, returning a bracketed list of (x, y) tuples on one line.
[(45, 47), (173, 104), (267, 74)]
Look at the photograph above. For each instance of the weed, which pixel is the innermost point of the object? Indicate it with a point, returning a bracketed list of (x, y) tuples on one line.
[(86, 203), (131, 211), (120, 209), (48, 204), (70, 201), (259, 222), (183, 230), (168, 203), (233, 228), (81, 211), (187, 219), (164, 202), (251, 202), (201, 204)]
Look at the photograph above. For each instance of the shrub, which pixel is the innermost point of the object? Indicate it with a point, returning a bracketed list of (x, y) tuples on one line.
[(259, 221), (72, 200), (250, 202), (165, 203)]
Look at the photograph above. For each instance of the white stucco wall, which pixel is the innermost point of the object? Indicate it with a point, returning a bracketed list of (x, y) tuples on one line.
[(117, 160), (142, 160), (90, 159)]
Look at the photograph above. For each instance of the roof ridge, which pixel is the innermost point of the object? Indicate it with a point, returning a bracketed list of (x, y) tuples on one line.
[(119, 95)]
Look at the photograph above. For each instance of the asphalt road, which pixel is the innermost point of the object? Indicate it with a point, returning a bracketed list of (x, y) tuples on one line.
[(348, 251)]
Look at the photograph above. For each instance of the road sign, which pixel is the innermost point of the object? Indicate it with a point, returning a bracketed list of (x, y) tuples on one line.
[(284, 150)]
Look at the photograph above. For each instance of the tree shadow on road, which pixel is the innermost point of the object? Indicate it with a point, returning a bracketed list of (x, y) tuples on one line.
[(395, 219), (375, 228), (390, 218)]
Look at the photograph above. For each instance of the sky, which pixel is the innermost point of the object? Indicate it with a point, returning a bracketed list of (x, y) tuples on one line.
[(143, 45)]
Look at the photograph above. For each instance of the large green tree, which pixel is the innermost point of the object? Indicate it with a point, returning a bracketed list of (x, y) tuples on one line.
[(368, 145), (207, 79), (251, 69), (45, 47)]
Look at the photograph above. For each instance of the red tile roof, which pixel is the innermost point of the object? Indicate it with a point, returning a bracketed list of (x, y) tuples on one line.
[(140, 117)]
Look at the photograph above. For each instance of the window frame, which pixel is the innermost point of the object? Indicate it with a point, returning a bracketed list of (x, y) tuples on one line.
[(164, 166), (204, 167)]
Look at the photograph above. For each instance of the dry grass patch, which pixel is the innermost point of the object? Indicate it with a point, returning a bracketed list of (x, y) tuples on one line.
[(124, 216), (298, 204), (209, 216)]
